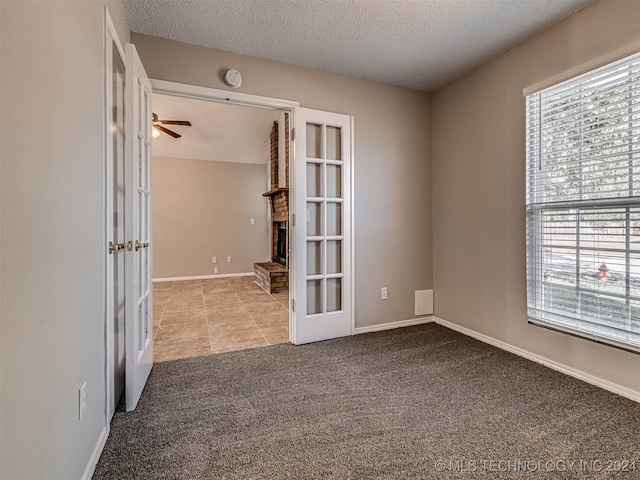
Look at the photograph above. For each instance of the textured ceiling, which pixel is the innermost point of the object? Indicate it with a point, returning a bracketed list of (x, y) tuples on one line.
[(421, 44), (220, 132)]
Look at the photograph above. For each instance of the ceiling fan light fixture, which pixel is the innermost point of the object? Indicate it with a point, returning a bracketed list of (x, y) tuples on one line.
[(158, 126)]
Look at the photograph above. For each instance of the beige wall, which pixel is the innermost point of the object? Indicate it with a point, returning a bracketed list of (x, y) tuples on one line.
[(203, 208), (52, 320), (392, 161), (479, 190)]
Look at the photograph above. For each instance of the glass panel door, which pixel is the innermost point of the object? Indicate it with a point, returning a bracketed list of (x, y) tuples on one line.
[(138, 345), (322, 202)]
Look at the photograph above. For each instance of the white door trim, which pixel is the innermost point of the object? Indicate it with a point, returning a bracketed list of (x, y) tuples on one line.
[(352, 242), (217, 95)]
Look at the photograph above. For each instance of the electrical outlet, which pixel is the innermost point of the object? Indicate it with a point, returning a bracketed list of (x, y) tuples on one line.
[(214, 259), (82, 400), (383, 293), (229, 259), (216, 270), (253, 221)]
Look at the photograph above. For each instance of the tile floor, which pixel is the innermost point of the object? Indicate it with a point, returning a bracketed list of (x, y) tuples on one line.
[(200, 317)]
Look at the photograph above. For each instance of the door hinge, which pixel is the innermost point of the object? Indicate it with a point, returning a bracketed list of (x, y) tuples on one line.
[(293, 219), (293, 134), (293, 305)]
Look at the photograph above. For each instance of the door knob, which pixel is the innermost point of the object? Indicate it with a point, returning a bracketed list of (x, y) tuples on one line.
[(114, 247), (141, 245)]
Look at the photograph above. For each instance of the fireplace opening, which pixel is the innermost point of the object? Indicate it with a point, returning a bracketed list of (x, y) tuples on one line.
[(281, 243)]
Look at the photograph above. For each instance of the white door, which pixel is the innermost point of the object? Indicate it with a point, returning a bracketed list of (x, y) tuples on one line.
[(118, 233), (322, 229), (116, 240), (139, 341)]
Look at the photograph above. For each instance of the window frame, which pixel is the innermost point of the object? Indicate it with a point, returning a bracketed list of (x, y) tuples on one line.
[(539, 311)]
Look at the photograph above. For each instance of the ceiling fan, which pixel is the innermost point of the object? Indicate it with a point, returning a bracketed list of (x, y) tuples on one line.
[(157, 126)]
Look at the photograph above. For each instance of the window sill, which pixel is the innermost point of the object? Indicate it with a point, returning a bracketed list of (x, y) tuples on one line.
[(584, 335)]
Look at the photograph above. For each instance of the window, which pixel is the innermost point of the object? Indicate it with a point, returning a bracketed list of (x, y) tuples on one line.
[(583, 204)]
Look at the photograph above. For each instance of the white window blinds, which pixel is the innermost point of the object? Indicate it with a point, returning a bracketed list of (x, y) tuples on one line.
[(583, 203)]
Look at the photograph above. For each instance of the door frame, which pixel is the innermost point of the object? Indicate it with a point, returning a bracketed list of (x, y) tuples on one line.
[(195, 92), (249, 100)]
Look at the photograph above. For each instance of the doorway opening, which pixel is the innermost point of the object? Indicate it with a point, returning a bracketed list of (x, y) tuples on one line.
[(211, 223)]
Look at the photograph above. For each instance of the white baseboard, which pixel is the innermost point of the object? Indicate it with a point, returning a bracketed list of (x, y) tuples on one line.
[(203, 277), (392, 325), (95, 455), (560, 367)]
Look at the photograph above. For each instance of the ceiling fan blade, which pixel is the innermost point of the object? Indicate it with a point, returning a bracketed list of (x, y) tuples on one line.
[(175, 122), (167, 131)]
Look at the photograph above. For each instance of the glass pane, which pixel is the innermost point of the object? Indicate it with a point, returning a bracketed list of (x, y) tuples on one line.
[(560, 266), (314, 258), (141, 216), (634, 324), (314, 219), (140, 125), (141, 326), (146, 115), (145, 269), (147, 320), (334, 256), (147, 213), (634, 277), (141, 272), (314, 296), (140, 162), (145, 168), (334, 218), (143, 320), (635, 175), (147, 275), (334, 181), (314, 140), (334, 294), (314, 180), (602, 309), (334, 143)]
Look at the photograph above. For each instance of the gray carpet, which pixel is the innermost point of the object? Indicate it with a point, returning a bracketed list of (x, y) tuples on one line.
[(418, 402)]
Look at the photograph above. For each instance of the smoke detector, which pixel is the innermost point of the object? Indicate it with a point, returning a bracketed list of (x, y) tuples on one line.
[(232, 78)]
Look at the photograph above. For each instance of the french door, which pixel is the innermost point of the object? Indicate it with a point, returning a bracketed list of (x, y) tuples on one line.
[(322, 227), (138, 329), (115, 206)]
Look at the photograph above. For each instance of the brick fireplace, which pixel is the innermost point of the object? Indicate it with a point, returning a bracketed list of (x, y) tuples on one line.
[(273, 276)]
